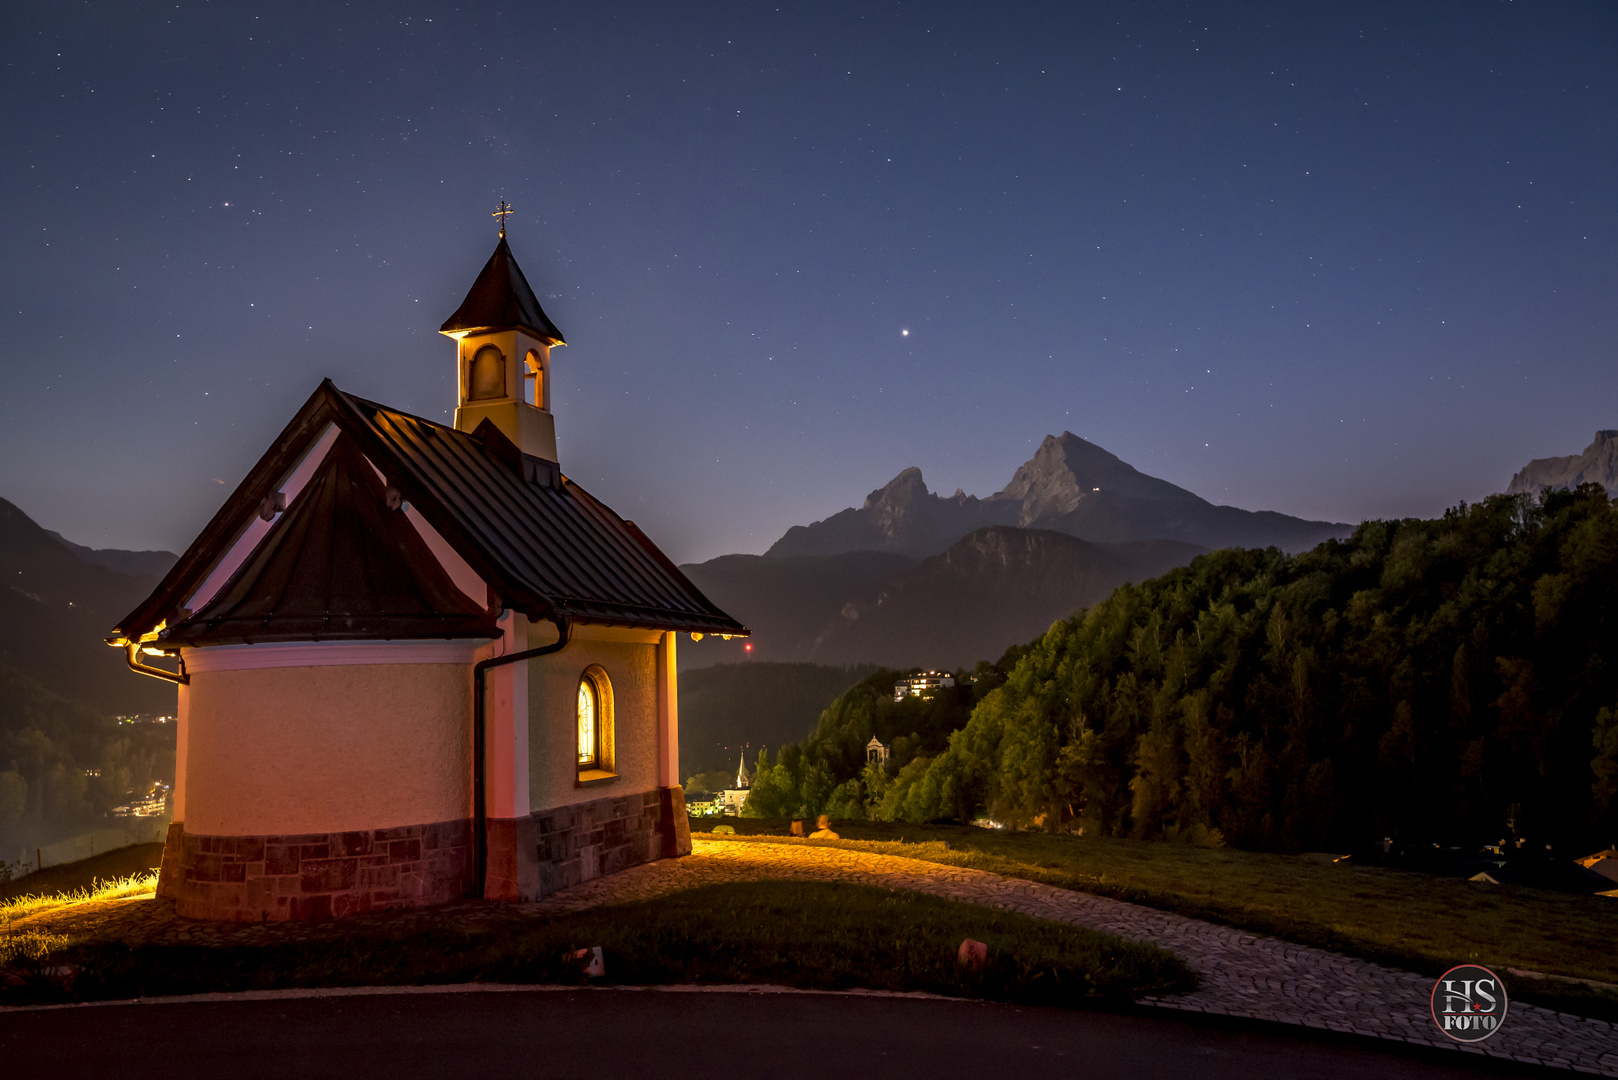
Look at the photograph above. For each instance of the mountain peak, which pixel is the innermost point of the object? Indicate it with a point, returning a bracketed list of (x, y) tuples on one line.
[(901, 516), (905, 489), (1597, 465), (1070, 485), (1067, 470)]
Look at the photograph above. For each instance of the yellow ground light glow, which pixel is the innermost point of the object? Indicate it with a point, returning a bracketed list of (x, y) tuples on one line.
[(135, 886)]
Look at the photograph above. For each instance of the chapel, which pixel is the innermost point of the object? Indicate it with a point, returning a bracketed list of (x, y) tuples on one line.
[(417, 663)]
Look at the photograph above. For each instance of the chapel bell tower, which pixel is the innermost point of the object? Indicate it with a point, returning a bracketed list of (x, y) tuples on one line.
[(503, 342)]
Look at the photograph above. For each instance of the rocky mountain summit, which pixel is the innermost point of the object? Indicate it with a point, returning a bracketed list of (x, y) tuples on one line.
[(902, 517), (1597, 465), (1069, 486)]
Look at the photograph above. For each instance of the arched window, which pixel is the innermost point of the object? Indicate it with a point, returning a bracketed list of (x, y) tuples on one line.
[(487, 379), (589, 724), (535, 377), (594, 724)]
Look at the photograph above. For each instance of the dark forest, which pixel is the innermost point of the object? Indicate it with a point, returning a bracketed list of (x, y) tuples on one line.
[(1445, 680)]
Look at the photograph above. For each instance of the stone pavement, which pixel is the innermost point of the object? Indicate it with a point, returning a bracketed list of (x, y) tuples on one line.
[(1242, 974)]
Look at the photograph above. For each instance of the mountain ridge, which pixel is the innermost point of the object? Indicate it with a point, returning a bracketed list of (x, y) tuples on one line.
[(1070, 486), (118, 560), (1598, 464), (997, 586), (56, 607)]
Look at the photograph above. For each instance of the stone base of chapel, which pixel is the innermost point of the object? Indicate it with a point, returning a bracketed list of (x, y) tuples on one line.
[(326, 875), (315, 876), (535, 856)]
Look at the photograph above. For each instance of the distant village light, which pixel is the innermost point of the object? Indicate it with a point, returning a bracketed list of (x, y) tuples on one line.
[(153, 803)]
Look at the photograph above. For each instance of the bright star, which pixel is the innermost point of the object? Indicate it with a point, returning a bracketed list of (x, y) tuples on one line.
[(904, 333)]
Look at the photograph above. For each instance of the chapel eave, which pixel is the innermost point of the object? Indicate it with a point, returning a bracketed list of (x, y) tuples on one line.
[(547, 550)]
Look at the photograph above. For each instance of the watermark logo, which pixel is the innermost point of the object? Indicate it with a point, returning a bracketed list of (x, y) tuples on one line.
[(1469, 1003)]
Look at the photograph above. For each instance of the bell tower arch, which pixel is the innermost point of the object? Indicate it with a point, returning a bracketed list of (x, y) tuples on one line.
[(503, 342)]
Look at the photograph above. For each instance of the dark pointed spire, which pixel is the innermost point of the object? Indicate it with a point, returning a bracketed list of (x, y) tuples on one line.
[(501, 299)]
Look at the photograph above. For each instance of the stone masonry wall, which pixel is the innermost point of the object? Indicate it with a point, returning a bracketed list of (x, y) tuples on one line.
[(320, 875), (584, 841)]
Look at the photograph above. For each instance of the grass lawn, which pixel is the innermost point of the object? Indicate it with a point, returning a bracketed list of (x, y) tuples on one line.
[(137, 859), (1419, 922), (810, 935)]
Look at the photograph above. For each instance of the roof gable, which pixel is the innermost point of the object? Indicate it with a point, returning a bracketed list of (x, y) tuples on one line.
[(501, 298), (338, 565), (545, 547)]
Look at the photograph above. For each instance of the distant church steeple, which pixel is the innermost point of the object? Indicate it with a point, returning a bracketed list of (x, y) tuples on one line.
[(503, 354)]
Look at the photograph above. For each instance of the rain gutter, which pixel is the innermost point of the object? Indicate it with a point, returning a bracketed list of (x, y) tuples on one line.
[(480, 810)]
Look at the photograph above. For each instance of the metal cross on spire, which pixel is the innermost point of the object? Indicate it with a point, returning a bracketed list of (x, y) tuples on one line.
[(502, 213)]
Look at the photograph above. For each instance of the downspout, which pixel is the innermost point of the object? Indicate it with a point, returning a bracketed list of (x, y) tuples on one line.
[(480, 810), (132, 652)]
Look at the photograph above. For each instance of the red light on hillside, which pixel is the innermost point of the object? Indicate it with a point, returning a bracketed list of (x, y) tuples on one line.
[(748, 647)]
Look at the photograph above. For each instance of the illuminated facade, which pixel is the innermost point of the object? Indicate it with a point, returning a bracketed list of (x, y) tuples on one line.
[(416, 662), (153, 802), (732, 799), (925, 684)]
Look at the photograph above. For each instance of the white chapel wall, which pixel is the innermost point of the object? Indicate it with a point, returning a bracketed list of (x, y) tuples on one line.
[(630, 659), (327, 748)]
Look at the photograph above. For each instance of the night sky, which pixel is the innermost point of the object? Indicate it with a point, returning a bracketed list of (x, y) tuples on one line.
[(1339, 261)]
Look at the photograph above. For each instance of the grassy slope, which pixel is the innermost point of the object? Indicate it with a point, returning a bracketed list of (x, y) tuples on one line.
[(68, 877), (810, 935), (1418, 922)]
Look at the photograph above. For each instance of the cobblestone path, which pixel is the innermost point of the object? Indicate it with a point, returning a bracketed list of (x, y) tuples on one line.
[(1242, 974)]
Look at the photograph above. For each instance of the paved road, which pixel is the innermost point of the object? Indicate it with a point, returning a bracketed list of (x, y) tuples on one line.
[(590, 1034), (1244, 975)]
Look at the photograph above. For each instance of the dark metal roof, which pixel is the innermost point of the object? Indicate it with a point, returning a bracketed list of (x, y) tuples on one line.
[(550, 545), (546, 549), (337, 566), (500, 299)]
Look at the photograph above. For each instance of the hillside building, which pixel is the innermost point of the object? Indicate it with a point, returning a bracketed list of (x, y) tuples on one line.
[(417, 662), (732, 799), (926, 684)]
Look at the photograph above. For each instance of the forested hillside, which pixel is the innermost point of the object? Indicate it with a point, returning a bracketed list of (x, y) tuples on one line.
[(1450, 680), (64, 759), (727, 708), (64, 763), (58, 601), (827, 772), (992, 588)]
